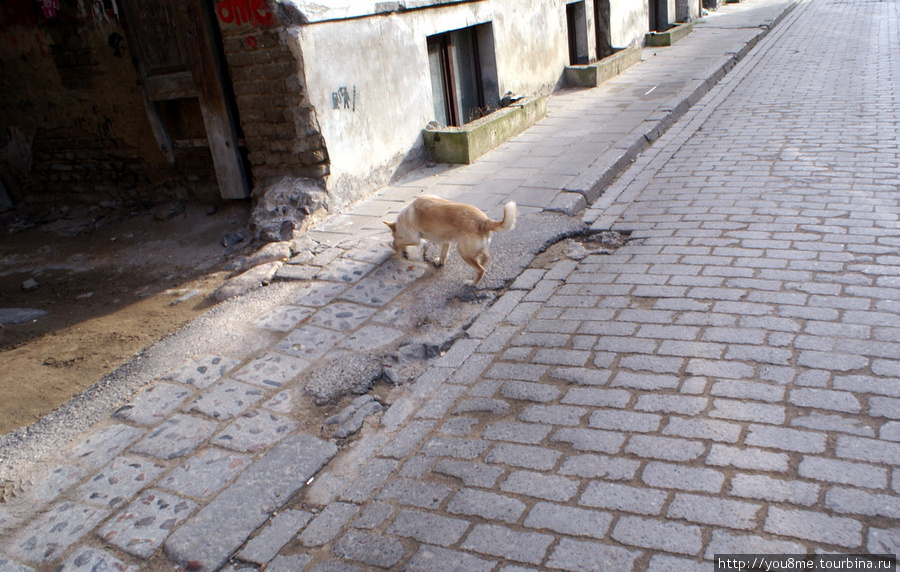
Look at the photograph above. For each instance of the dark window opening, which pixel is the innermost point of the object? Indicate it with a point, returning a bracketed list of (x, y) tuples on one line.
[(463, 74), (660, 16), (601, 29), (576, 31)]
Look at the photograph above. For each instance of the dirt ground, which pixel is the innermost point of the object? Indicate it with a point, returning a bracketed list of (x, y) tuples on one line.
[(112, 279)]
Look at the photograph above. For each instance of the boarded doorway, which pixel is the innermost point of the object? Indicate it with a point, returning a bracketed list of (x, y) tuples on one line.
[(179, 59)]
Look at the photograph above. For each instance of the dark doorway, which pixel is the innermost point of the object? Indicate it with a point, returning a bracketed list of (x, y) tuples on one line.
[(178, 55)]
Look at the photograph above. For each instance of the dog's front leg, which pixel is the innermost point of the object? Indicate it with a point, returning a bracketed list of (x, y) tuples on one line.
[(445, 250)]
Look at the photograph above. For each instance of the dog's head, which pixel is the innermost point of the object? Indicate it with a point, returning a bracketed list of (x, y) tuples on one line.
[(401, 241)]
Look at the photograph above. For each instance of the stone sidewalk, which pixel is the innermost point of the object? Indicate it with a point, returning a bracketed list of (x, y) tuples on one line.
[(595, 399)]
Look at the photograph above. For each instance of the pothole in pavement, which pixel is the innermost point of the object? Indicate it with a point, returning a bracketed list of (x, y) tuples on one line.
[(583, 244)]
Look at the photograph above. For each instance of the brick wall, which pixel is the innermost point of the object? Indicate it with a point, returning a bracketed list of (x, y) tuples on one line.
[(278, 123)]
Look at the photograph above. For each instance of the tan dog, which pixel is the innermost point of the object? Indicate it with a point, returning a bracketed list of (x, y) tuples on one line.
[(441, 221)]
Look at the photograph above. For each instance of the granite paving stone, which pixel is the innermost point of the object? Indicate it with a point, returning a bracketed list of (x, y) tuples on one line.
[(670, 475), (116, 483), (727, 542), (309, 342), (345, 270), (622, 497), (370, 549), (576, 555), (525, 456), (436, 559), (488, 505), (373, 292), (816, 526), (204, 473), (283, 319), (91, 560), (717, 512), (288, 563), (175, 437), (153, 405), (600, 467), (48, 536), (98, 449), (658, 535), (47, 487), (371, 476), (494, 540), (271, 369), (254, 431), (281, 402), (548, 487), (590, 439), (529, 433), (775, 490), (428, 528), (414, 493), (830, 470), (142, 527), (529, 391), (373, 515), (569, 520), (225, 399), (747, 458), (326, 525), (454, 447), (318, 294), (371, 337), (202, 371), (400, 270), (472, 474), (342, 316)]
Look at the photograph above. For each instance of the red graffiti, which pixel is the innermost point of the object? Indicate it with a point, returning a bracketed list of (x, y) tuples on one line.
[(251, 42), (254, 12), (49, 7)]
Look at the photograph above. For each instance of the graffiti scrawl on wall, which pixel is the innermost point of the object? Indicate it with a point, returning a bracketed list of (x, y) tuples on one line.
[(240, 12), (344, 98)]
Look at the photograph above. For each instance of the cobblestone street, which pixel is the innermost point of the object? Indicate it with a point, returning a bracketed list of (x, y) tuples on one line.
[(725, 382)]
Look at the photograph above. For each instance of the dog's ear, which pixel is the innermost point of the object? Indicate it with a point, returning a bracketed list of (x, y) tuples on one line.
[(391, 225)]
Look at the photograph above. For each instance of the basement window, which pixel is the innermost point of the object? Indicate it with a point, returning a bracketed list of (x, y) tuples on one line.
[(463, 74)]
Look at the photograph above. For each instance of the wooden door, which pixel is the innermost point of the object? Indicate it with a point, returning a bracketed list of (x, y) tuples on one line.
[(177, 56)]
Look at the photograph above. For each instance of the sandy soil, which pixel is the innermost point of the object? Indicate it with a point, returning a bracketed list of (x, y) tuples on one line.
[(113, 280)]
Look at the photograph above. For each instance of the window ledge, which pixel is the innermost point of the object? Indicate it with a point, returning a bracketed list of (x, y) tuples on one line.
[(592, 75), (465, 144), (670, 36)]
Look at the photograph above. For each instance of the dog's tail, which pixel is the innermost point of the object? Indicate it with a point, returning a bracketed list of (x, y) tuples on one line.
[(509, 218)]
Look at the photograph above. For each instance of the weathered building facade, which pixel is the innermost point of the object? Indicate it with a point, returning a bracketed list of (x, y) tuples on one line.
[(211, 99)]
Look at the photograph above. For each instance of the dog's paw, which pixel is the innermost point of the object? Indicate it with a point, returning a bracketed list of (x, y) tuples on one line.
[(437, 262)]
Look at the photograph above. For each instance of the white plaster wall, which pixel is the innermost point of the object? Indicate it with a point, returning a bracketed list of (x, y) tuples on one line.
[(628, 22), (384, 59)]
